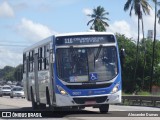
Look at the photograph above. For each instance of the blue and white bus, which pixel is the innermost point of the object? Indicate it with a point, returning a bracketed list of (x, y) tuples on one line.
[(74, 70)]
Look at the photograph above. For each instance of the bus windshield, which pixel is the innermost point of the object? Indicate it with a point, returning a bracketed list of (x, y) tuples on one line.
[(87, 64)]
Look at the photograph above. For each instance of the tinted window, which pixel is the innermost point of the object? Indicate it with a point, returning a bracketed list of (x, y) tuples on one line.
[(81, 64)]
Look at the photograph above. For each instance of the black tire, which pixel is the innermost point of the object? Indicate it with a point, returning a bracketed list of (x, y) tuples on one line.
[(11, 96), (48, 98), (42, 106), (58, 109), (104, 108), (34, 104), (74, 109)]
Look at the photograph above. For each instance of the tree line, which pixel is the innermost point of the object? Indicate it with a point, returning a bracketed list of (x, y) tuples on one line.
[(142, 81), (9, 73)]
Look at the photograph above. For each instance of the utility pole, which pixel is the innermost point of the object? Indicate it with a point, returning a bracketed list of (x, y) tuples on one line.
[(154, 41), (137, 49)]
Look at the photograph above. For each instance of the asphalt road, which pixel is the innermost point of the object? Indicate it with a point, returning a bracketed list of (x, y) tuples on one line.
[(115, 111)]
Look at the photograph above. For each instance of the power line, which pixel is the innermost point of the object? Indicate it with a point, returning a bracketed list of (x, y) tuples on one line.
[(12, 42), (14, 45)]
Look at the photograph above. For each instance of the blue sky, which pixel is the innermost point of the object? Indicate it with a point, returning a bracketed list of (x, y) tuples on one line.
[(24, 22)]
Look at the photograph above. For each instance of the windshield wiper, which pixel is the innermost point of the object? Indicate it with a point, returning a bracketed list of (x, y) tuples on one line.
[(98, 52), (72, 50), (74, 54)]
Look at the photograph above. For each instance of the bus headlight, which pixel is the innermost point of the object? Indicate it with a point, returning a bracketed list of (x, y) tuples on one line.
[(115, 88), (61, 90)]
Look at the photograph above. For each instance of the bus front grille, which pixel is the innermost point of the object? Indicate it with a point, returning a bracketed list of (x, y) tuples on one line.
[(89, 86), (96, 99)]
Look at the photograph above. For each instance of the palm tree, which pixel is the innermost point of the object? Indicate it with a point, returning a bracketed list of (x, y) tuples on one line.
[(98, 19), (157, 13), (139, 7)]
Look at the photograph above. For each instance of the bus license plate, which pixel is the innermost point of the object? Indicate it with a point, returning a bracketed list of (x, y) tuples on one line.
[(90, 102)]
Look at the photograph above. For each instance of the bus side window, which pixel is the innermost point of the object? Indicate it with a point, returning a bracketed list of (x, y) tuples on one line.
[(31, 61), (24, 63), (39, 58), (27, 60), (28, 54), (46, 57), (42, 58)]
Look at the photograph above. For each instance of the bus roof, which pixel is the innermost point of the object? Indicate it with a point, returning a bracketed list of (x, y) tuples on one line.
[(49, 39), (84, 33), (42, 42)]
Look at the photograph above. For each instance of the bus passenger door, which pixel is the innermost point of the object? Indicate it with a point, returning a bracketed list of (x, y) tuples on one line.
[(52, 79), (27, 78), (36, 77)]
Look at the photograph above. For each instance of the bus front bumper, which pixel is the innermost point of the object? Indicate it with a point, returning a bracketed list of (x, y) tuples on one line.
[(67, 100)]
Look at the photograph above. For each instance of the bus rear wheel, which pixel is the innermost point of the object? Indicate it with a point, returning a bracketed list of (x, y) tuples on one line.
[(42, 106), (104, 108), (34, 104), (48, 99)]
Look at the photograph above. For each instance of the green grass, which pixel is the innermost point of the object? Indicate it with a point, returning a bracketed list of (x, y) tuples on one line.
[(126, 93), (143, 93), (139, 93)]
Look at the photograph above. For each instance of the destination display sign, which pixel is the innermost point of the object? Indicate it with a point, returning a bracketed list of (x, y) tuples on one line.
[(84, 39)]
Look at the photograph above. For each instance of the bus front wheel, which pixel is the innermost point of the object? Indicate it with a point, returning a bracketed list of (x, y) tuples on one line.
[(104, 108)]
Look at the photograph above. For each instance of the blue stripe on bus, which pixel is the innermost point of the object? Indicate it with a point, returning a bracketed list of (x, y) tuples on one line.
[(87, 92)]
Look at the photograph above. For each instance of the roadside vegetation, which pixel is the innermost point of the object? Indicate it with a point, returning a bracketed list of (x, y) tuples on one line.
[(142, 81), (9, 73)]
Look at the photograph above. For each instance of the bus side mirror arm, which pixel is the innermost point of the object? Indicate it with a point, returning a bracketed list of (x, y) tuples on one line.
[(52, 56), (122, 57)]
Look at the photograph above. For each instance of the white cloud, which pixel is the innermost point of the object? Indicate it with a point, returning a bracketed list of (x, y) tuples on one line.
[(119, 26), (6, 10), (20, 6), (33, 31), (9, 57), (87, 11), (123, 27), (148, 22), (130, 29)]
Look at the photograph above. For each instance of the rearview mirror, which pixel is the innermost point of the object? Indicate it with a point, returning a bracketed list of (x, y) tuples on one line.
[(122, 57), (52, 56)]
